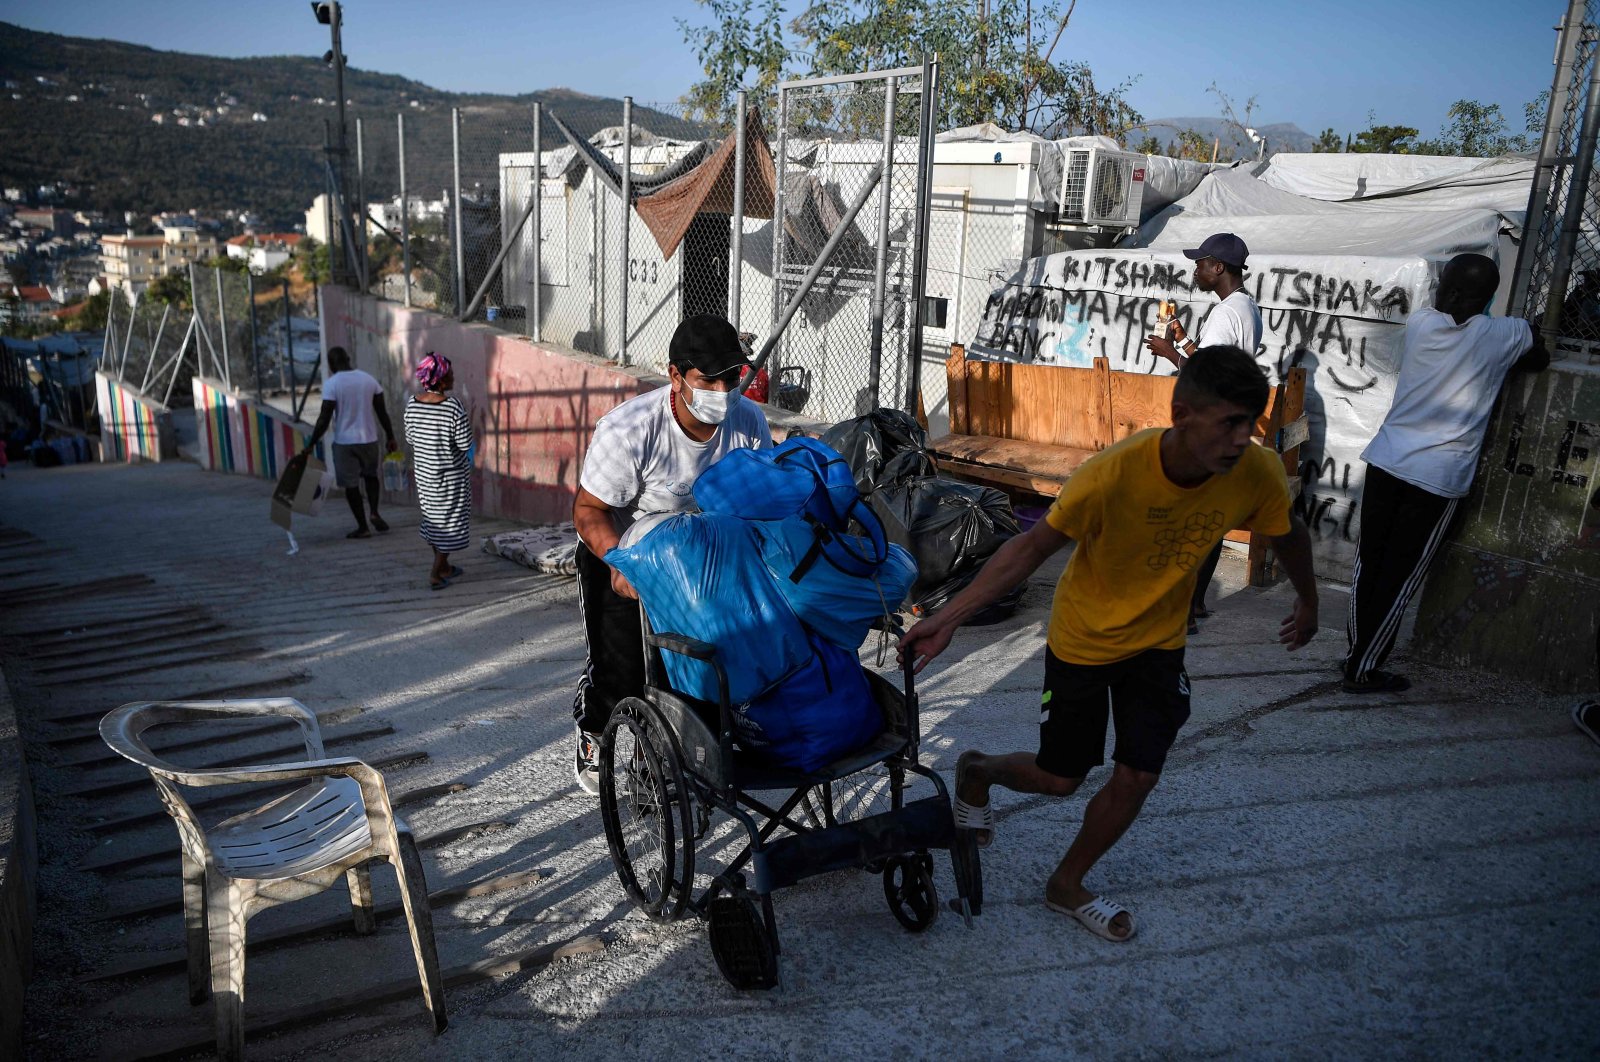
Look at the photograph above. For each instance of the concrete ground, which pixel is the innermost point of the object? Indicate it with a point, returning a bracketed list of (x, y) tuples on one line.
[(1317, 875)]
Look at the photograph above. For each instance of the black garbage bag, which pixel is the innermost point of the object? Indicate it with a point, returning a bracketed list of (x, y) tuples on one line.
[(951, 528), (883, 447)]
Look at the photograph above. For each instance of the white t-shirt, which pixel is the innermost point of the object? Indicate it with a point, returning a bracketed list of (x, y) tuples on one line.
[(1450, 375), (1233, 322), (640, 461), (354, 419)]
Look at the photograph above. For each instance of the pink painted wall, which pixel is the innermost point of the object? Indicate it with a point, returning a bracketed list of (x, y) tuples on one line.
[(533, 406)]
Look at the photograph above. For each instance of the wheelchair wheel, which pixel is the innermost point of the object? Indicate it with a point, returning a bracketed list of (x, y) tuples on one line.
[(877, 789), (643, 804), (908, 886), (745, 948)]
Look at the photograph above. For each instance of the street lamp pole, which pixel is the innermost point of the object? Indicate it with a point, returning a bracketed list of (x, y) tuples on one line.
[(331, 14)]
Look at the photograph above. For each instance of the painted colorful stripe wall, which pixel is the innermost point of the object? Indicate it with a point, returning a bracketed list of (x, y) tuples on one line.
[(238, 435), (132, 426)]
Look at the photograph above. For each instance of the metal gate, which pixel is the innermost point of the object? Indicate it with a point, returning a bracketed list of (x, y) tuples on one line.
[(1557, 281), (854, 170)]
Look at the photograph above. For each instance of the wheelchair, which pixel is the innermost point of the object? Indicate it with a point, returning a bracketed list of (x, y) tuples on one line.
[(668, 762)]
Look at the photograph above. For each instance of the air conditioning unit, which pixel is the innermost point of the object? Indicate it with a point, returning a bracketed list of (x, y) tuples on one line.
[(1103, 187)]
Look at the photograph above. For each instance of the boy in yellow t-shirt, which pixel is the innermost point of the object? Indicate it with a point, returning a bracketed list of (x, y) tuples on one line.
[(1144, 514)]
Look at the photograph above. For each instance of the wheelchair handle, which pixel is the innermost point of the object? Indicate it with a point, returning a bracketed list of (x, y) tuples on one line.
[(677, 643)]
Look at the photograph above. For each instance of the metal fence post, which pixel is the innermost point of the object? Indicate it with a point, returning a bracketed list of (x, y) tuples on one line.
[(1577, 200), (736, 256), (880, 267), (255, 346), (361, 206), (222, 318), (627, 213), (919, 245), (288, 341), (405, 208), (455, 204), (538, 223), (1545, 176), (334, 271), (777, 209)]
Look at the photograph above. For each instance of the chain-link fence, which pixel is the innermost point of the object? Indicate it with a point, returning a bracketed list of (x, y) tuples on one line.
[(1558, 271), (254, 334), (850, 164), (146, 348), (516, 218)]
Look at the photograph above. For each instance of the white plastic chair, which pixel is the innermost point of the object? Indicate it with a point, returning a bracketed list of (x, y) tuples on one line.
[(298, 845)]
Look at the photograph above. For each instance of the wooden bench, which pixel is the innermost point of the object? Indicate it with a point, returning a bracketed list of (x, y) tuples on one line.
[(1026, 428)]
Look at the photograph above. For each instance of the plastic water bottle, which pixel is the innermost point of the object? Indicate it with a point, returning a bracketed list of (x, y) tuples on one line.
[(394, 471)]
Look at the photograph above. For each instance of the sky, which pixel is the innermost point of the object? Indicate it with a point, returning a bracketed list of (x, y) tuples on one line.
[(1318, 64)]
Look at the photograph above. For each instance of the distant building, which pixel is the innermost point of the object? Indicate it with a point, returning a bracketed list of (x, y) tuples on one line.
[(263, 252), (56, 222), (36, 303), (317, 219), (132, 263)]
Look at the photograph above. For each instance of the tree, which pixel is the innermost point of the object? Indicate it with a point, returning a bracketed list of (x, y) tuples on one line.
[(1246, 127), (1328, 142), (736, 54), (172, 288), (1149, 146), (1194, 146), (1472, 128), (999, 66), (311, 258), (1383, 139), (91, 315)]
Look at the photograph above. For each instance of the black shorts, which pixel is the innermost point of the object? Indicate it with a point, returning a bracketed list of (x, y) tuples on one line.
[(1147, 694), (353, 462)]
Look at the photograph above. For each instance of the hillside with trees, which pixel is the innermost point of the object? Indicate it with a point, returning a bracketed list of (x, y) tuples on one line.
[(243, 134)]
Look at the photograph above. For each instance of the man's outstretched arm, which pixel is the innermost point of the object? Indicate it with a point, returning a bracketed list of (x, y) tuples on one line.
[(1012, 563), (1537, 357), (1294, 550)]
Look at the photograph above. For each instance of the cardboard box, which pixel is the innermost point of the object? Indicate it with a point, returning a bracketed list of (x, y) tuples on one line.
[(304, 485)]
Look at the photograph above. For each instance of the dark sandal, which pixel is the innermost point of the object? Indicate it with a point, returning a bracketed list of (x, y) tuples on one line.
[(1378, 682)]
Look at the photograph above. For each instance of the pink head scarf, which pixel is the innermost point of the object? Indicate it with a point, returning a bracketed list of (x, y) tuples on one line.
[(432, 368)]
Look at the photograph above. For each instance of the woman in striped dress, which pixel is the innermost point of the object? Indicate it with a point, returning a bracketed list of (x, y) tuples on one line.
[(440, 436)]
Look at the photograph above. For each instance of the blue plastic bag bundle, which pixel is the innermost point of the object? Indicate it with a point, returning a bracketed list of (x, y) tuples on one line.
[(802, 478), (816, 715), (702, 576), (835, 602)]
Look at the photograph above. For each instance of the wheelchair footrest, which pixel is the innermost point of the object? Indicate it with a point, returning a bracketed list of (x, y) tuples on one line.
[(921, 824)]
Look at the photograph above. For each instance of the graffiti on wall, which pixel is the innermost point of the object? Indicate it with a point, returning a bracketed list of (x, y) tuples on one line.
[(1339, 317)]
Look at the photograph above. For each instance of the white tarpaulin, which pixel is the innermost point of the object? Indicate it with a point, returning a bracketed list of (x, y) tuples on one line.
[(1335, 282), (1349, 176)]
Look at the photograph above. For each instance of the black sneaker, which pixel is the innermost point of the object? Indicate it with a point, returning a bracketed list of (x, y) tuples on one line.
[(379, 524), (1586, 714), (586, 763), (1378, 682)]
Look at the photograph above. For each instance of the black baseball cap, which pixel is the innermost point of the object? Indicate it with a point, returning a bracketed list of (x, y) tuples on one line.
[(708, 343), (1225, 247)]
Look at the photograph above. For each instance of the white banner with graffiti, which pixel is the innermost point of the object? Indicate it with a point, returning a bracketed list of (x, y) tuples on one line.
[(1341, 317)]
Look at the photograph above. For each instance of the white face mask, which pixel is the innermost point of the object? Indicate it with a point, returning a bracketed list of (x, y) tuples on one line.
[(710, 407)]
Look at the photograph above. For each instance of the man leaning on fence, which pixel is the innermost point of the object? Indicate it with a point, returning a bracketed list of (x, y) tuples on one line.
[(352, 402), (1422, 460), (643, 460)]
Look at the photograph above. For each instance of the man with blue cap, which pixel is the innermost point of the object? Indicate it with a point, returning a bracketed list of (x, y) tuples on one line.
[(1233, 322)]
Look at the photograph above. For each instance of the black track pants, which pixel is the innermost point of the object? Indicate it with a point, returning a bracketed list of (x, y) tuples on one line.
[(615, 668), (1401, 528)]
